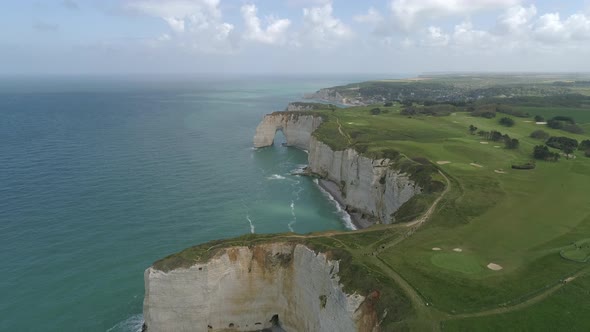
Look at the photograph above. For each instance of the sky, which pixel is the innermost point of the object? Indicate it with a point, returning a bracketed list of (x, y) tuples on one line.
[(71, 37)]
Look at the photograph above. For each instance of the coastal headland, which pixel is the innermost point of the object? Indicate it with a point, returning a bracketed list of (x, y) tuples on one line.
[(452, 234)]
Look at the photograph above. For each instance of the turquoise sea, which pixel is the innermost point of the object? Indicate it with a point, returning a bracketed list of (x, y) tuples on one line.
[(99, 177)]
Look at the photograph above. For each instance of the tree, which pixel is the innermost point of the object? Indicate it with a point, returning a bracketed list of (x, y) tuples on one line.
[(388, 104), (584, 145), (484, 134), (472, 129), (495, 136), (508, 122), (562, 143), (539, 118), (376, 111), (511, 143)]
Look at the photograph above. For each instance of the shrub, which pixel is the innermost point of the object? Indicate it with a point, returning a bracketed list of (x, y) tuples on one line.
[(508, 122), (542, 152), (564, 119), (527, 165), (539, 118), (540, 134), (388, 104), (587, 153), (555, 124), (376, 111), (573, 128), (584, 145)]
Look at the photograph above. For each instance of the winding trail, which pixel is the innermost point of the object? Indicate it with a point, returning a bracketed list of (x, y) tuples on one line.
[(348, 139)]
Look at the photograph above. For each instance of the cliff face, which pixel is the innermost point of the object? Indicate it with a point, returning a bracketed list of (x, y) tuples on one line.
[(296, 127), (242, 289), (368, 185)]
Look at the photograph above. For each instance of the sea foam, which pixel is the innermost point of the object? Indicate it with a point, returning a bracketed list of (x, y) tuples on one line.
[(343, 214)]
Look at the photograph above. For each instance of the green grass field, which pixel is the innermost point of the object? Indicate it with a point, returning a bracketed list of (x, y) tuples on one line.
[(518, 219)]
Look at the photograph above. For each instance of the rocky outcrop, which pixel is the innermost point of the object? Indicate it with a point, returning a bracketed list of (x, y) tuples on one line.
[(370, 186), (251, 288), (296, 127)]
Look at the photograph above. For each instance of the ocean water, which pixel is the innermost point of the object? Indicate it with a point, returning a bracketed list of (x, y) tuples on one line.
[(99, 177)]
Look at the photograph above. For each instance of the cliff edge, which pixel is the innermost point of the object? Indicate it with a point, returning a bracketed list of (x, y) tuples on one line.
[(250, 288), (372, 189)]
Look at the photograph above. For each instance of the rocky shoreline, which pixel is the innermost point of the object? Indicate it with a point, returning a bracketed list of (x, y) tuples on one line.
[(359, 220)]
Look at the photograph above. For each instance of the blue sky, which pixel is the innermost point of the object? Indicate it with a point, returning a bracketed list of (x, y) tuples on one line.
[(292, 36)]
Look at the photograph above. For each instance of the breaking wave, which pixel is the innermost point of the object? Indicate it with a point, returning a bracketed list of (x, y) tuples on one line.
[(343, 214)]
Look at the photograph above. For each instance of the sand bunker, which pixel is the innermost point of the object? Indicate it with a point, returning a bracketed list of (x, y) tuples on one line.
[(475, 165), (455, 121), (483, 143), (436, 249), (527, 121), (457, 249), (499, 171), (542, 122), (497, 146), (443, 162), (494, 266)]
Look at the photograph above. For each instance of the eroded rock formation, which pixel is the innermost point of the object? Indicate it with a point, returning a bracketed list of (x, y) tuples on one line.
[(296, 127), (369, 186)]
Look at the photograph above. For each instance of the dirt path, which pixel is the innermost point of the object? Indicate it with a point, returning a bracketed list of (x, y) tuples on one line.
[(418, 222), (524, 304), (348, 139)]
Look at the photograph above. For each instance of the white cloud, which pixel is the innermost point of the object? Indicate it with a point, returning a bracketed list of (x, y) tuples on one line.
[(407, 12), (579, 26), (465, 35), (516, 19), (198, 24), (436, 37), (274, 32), (372, 16), (321, 28), (551, 29)]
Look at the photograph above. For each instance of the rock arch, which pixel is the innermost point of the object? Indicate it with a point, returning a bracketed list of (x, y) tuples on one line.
[(296, 127)]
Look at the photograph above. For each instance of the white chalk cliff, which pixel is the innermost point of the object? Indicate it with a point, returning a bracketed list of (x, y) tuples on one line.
[(369, 186), (296, 127), (242, 289)]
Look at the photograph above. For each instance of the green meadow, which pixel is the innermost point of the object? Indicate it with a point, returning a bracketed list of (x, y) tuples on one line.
[(518, 220)]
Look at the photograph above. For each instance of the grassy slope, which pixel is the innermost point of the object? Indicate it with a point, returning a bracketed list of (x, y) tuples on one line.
[(519, 220), (566, 310)]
